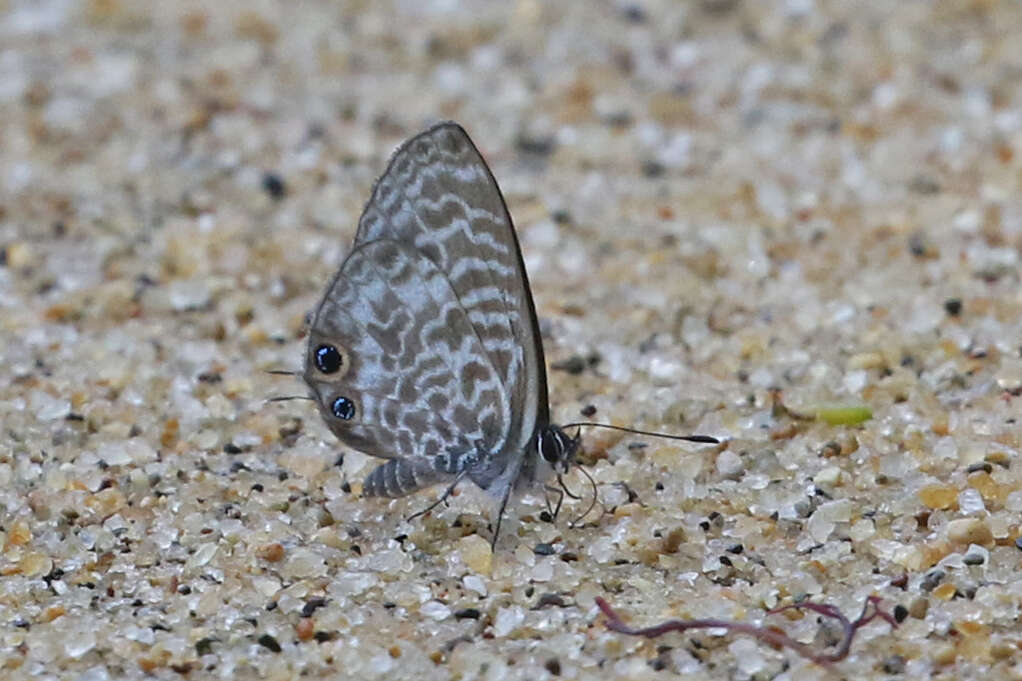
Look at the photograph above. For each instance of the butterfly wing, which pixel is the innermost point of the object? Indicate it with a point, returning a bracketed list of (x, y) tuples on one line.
[(413, 378), (439, 196)]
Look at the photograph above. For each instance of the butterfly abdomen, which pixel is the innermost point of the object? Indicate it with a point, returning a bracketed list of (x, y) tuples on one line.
[(399, 477)]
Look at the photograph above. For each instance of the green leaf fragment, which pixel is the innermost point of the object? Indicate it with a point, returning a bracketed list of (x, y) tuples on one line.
[(844, 415)]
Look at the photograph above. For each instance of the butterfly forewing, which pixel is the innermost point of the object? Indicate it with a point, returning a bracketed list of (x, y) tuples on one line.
[(439, 194), (433, 312)]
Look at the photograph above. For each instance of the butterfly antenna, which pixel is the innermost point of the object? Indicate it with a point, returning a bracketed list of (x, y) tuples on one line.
[(704, 439), (564, 488), (592, 505), (288, 398), (442, 500)]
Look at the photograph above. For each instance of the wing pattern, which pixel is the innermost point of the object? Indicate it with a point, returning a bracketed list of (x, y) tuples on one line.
[(435, 320)]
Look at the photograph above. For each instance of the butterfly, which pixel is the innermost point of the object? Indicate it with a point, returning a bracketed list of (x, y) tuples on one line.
[(424, 349)]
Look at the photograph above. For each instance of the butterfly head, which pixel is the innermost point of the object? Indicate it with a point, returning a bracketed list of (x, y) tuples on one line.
[(557, 448)]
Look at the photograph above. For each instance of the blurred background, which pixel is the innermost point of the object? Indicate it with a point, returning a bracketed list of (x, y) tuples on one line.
[(717, 200)]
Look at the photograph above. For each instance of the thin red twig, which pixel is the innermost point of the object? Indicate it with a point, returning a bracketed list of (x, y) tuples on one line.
[(870, 611)]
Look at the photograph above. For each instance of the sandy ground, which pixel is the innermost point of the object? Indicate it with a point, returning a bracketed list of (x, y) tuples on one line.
[(734, 215)]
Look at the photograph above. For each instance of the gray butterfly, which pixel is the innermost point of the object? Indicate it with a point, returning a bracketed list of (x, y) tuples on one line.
[(425, 348)]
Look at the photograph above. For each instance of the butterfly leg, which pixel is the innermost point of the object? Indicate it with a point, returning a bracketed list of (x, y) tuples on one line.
[(441, 500), (500, 517), (550, 489)]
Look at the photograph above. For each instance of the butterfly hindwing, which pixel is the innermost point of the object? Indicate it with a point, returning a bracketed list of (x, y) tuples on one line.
[(416, 379), (428, 331)]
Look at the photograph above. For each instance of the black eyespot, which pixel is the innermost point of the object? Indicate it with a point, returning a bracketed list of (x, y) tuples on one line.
[(328, 359), (343, 408), (550, 447)]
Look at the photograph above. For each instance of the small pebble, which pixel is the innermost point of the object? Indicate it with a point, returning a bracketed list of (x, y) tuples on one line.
[(274, 186), (895, 664), (729, 464), (945, 654), (270, 552), (575, 364), (932, 579), (475, 552), (976, 555), (507, 620), (435, 610), (305, 629), (312, 605), (938, 496), (270, 643), (918, 608), (969, 531), (549, 599)]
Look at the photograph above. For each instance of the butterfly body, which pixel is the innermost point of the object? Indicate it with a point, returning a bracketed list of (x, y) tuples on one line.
[(425, 349)]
